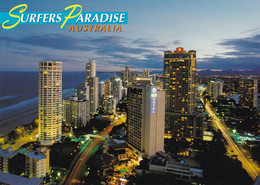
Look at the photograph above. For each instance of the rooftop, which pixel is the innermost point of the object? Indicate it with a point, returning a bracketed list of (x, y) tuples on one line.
[(36, 155), (8, 152), (11, 179)]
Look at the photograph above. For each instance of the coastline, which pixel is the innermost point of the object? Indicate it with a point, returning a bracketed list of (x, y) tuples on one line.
[(23, 118)]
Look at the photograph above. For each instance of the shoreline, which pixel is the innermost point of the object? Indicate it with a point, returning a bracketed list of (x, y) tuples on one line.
[(10, 123)]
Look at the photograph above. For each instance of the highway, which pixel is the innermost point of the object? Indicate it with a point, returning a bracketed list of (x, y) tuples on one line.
[(251, 167), (79, 166)]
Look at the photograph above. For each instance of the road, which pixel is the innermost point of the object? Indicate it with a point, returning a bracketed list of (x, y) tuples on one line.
[(79, 166), (23, 140), (251, 167)]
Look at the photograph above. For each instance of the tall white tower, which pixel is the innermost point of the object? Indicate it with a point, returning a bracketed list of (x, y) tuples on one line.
[(92, 83), (50, 102), (91, 68)]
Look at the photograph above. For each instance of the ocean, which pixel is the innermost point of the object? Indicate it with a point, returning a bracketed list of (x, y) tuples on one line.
[(19, 95)]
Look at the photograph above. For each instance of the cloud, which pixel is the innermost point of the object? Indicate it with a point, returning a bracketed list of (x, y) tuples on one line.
[(242, 53), (116, 50), (177, 42)]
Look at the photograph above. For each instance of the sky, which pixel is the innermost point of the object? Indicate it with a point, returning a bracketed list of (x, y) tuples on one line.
[(225, 34)]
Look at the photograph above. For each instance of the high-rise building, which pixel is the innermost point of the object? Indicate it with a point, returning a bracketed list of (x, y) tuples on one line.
[(50, 102), (247, 90), (107, 88), (127, 74), (101, 89), (76, 112), (92, 82), (124, 91), (146, 73), (145, 118), (91, 69), (215, 88), (81, 91), (109, 104), (179, 83), (154, 78), (116, 87)]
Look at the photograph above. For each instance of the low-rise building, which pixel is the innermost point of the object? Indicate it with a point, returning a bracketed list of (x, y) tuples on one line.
[(37, 163), (185, 169), (5, 157), (10, 179)]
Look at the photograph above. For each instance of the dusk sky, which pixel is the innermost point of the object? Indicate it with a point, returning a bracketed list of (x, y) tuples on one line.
[(225, 33)]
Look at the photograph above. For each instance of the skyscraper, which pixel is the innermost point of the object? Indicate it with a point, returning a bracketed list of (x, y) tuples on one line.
[(125, 76), (146, 73), (215, 88), (179, 75), (76, 112), (81, 91), (92, 82), (247, 90), (101, 89), (109, 104), (107, 88), (145, 118), (116, 87), (91, 69), (50, 102)]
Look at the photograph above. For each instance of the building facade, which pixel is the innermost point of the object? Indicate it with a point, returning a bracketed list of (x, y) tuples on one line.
[(5, 156), (92, 82), (116, 87), (146, 73), (101, 89), (247, 90), (50, 102), (37, 163), (109, 104), (76, 112), (215, 89), (145, 118), (107, 88), (81, 91), (179, 84)]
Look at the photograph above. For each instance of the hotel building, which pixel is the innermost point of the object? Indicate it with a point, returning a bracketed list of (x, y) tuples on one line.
[(179, 84), (145, 118)]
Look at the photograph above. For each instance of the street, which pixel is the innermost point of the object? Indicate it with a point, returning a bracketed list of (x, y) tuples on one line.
[(79, 166), (249, 165)]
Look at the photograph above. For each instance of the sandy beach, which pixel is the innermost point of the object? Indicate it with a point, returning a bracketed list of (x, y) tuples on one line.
[(10, 123)]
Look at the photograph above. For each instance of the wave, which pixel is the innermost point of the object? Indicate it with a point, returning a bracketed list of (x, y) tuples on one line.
[(27, 104), (8, 97)]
